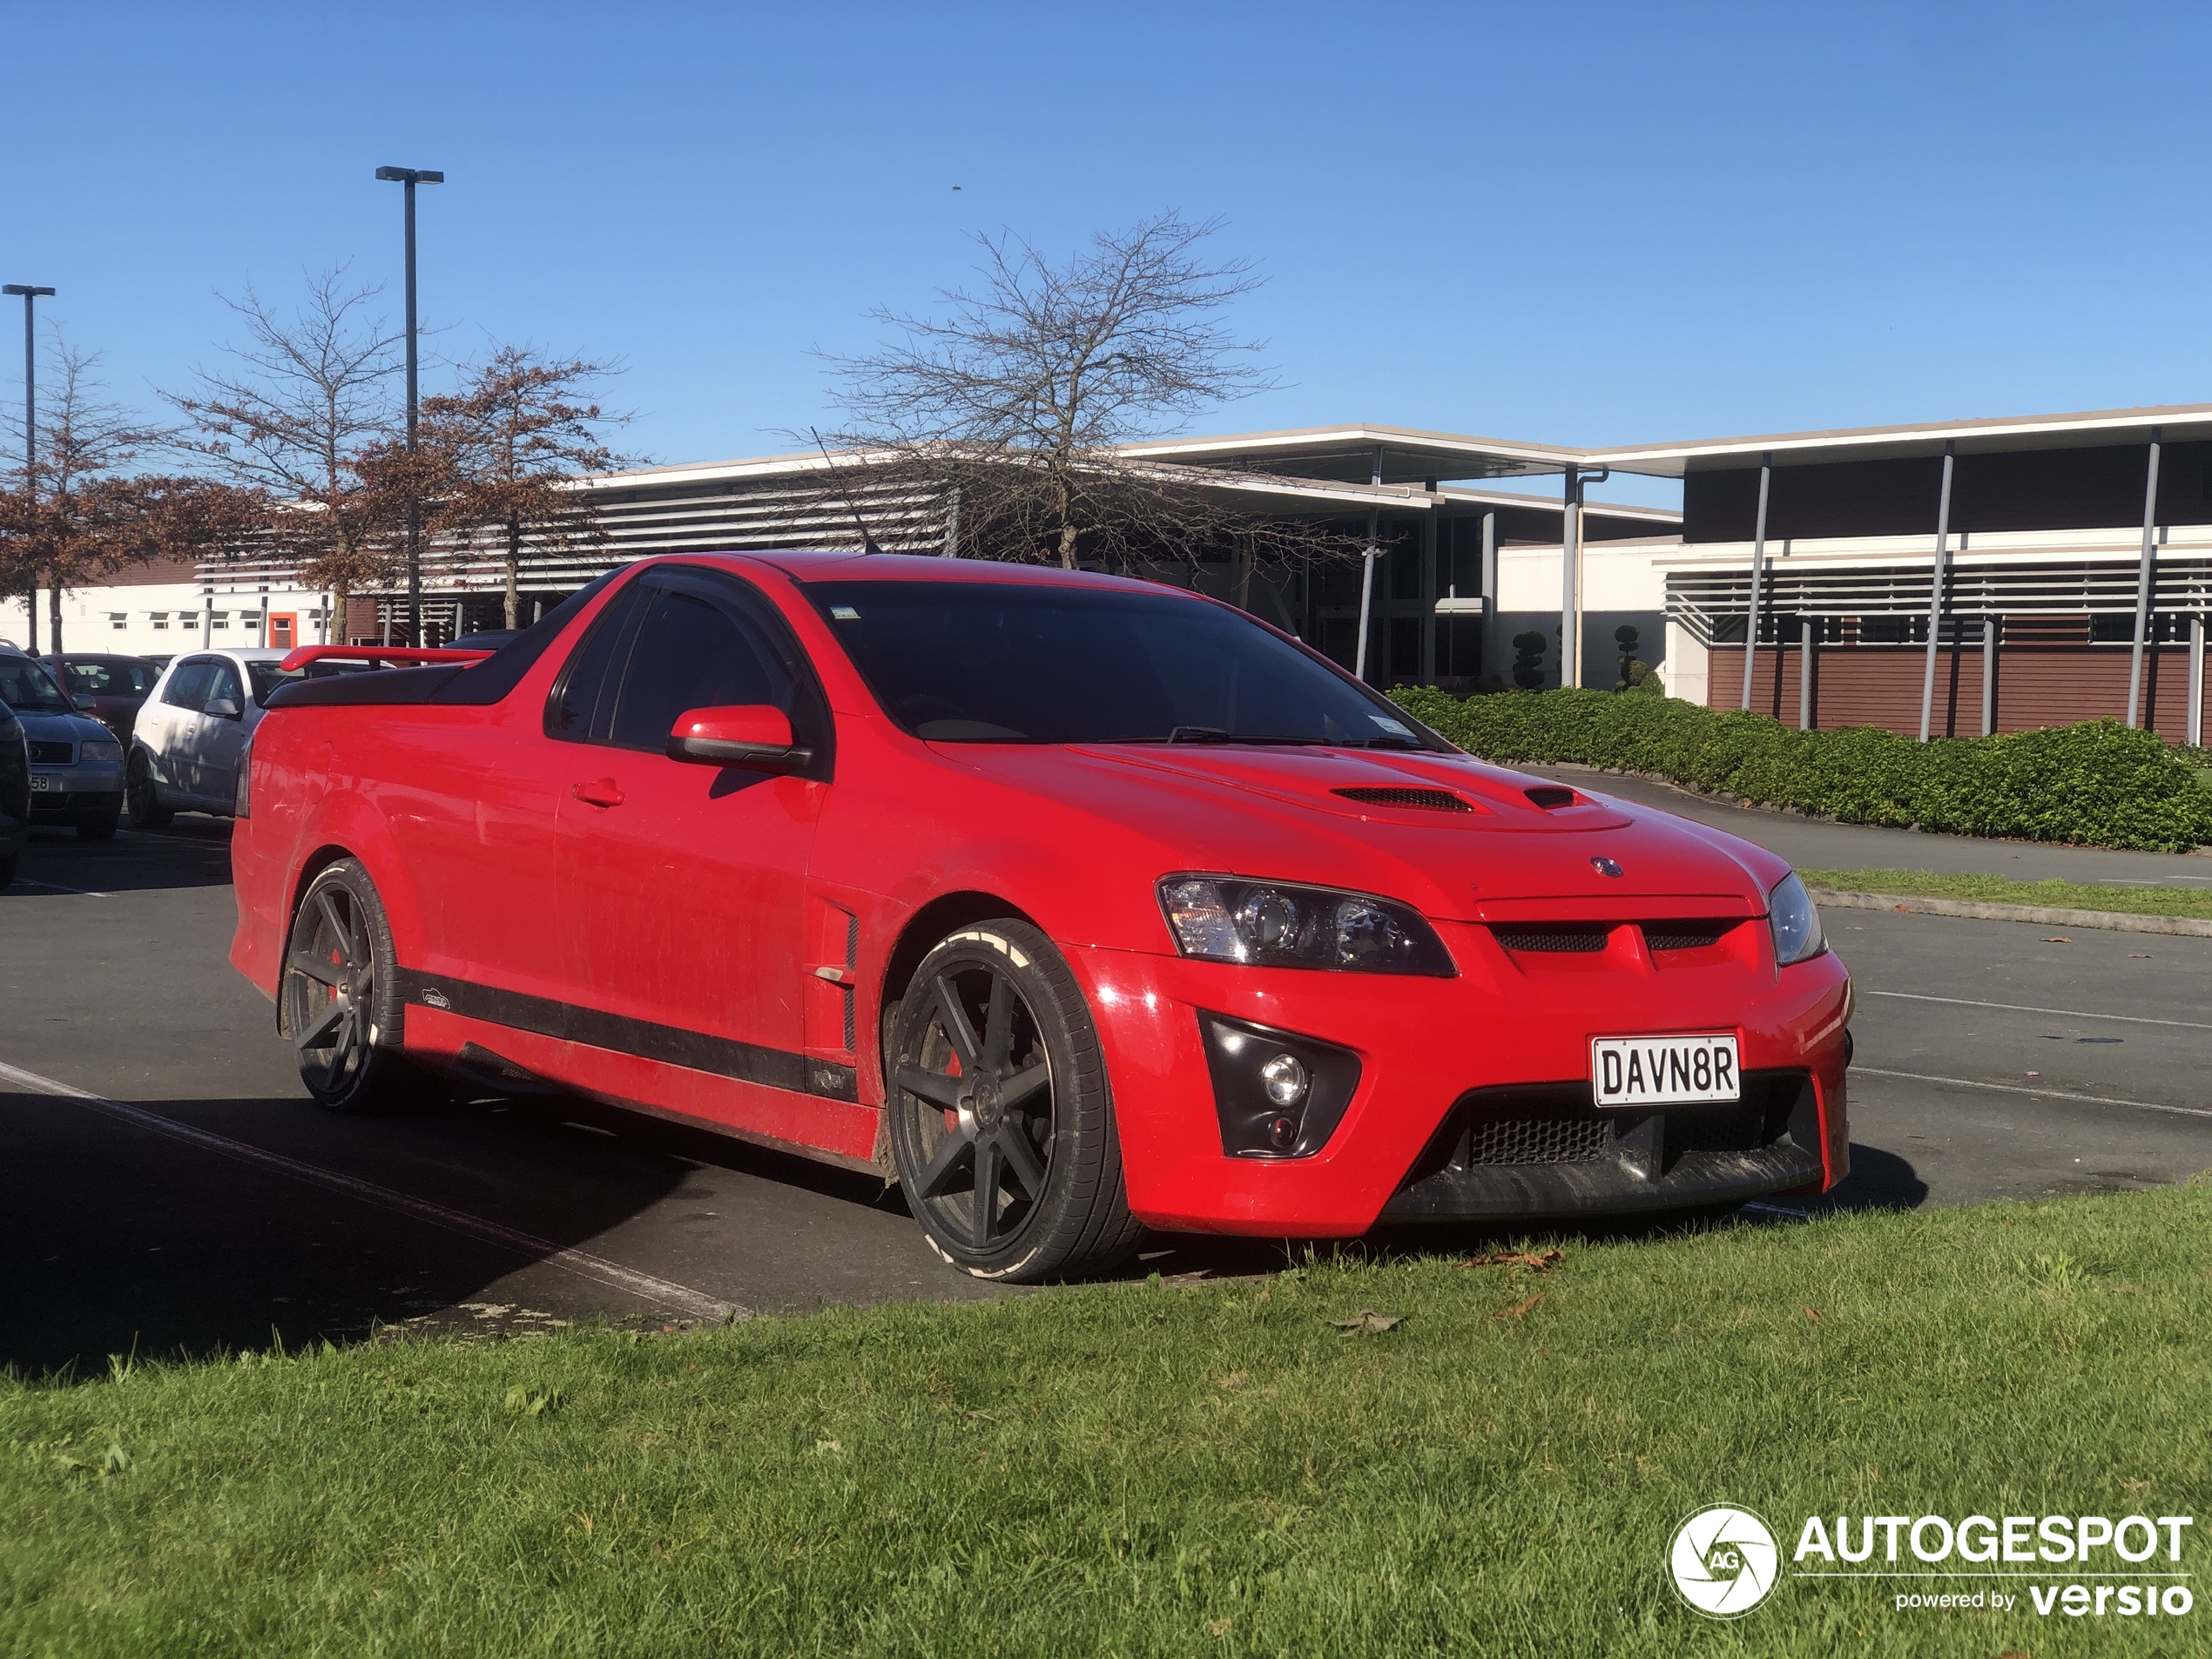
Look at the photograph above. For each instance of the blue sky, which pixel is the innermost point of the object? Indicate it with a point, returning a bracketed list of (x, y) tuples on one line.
[(1584, 224)]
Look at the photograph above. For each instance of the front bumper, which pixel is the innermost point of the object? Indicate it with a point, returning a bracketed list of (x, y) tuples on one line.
[(75, 791), (1503, 1035)]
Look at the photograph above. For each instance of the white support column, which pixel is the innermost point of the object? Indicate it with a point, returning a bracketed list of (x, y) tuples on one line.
[(1428, 589), (1935, 590), (2144, 585), (1489, 579), (1367, 574), (2196, 680), (1989, 676), (1570, 602), (1804, 672), (1758, 579)]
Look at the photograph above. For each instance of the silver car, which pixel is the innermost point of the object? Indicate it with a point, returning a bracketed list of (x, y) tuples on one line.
[(75, 763), (193, 730)]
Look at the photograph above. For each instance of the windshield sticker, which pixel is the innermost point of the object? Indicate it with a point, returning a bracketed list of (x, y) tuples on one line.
[(1391, 725), (845, 613)]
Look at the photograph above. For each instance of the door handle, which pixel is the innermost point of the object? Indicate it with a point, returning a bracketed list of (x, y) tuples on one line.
[(601, 791)]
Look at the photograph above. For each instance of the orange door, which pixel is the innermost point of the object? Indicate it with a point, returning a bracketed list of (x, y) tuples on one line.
[(281, 629)]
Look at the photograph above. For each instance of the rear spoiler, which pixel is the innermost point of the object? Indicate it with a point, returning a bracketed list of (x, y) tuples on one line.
[(374, 654)]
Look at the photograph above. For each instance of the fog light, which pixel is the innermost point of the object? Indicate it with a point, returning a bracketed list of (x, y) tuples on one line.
[(1278, 1094), (1285, 1079)]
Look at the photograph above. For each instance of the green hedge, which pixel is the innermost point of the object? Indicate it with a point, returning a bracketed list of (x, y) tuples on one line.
[(2098, 783)]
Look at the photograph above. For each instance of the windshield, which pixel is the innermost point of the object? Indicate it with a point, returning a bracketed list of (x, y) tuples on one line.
[(109, 675), (988, 662), (28, 689)]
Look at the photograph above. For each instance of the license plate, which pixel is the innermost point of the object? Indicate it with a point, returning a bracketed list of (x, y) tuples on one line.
[(1663, 1071), (43, 783)]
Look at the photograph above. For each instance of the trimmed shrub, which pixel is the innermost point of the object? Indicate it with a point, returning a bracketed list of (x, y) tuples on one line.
[(2097, 783)]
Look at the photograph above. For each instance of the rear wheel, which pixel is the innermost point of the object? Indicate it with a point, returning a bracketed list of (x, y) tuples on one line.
[(1001, 1124), (7, 872), (340, 997), (138, 795)]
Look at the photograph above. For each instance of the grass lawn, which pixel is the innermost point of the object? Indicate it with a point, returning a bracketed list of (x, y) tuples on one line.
[(1155, 1469), (1996, 889)]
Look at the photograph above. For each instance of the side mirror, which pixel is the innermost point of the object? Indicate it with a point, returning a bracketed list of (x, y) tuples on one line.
[(753, 735), (223, 708)]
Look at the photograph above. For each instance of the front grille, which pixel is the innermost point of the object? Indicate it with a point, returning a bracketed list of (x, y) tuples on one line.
[(51, 754), (1536, 1140), (1548, 936), (1685, 936), (1434, 800)]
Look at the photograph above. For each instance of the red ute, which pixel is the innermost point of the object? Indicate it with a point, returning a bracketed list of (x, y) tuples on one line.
[(1076, 903)]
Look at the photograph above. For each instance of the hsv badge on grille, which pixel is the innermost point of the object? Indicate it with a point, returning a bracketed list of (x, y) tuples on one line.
[(1605, 866)]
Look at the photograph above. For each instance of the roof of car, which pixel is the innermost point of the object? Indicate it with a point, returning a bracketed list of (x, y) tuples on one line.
[(241, 653)]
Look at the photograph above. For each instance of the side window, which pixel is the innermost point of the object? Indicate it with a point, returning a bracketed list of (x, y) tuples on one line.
[(188, 687), (225, 683), (575, 694), (690, 653)]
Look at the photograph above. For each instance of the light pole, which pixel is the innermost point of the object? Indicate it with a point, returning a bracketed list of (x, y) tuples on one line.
[(408, 178), (30, 438)]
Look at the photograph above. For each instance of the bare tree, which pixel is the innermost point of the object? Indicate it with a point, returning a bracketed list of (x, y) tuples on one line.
[(1017, 398), (305, 401), (78, 512), (510, 443)]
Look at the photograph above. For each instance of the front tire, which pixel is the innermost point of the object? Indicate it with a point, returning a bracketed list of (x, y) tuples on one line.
[(340, 997), (1001, 1122), (141, 796), (100, 828)]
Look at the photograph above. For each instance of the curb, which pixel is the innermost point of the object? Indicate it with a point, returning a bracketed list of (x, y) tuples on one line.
[(2121, 921)]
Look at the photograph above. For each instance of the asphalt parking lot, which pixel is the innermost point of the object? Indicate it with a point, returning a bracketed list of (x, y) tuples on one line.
[(169, 1189)]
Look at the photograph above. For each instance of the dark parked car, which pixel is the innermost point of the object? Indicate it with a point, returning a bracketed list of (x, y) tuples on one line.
[(109, 689), (15, 793)]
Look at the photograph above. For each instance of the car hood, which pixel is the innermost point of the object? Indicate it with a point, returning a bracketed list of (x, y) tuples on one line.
[(1457, 838), (62, 728)]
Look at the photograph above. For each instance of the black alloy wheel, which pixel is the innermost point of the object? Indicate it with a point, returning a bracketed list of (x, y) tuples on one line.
[(138, 795), (340, 1001), (1001, 1127)]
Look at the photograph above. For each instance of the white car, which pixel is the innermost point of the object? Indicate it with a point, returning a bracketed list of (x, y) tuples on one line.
[(193, 730)]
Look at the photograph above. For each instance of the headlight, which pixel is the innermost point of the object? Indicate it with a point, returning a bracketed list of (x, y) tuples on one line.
[(96, 751), (1275, 924), (1790, 913)]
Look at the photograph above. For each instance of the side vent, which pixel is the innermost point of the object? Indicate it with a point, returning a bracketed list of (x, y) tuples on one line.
[(1551, 795), (1433, 800)]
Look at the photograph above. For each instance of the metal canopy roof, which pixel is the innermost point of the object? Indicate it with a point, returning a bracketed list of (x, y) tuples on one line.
[(1347, 454), (2000, 435)]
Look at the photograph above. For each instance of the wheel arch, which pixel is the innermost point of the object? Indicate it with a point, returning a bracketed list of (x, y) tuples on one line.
[(923, 930)]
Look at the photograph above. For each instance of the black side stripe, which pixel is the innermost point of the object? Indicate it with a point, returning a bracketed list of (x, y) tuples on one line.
[(695, 1050)]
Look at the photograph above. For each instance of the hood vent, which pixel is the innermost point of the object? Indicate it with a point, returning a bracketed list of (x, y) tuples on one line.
[(1581, 937), (1686, 935), (1432, 800), (1551, 795)]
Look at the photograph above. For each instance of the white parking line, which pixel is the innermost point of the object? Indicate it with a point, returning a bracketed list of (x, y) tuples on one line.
[(2023, 1008), (676, 1299), (56, 886), (2045, 1094)]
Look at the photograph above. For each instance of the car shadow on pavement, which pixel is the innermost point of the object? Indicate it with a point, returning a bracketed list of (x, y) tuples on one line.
[(115, 1239), (56, 862)]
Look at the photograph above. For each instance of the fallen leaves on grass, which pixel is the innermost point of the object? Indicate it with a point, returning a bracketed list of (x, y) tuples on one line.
[(1535, 1261), (1518, 1308), (1368, 1323), (1813, 1316)]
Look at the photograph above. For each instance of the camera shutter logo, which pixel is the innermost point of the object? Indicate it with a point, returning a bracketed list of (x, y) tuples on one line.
[(1724, 1561)]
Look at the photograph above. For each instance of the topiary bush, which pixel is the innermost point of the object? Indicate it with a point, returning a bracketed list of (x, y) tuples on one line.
[(2097, 783)]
